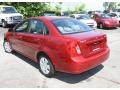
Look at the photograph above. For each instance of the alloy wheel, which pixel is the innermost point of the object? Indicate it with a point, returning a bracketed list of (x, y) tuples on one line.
[(45, 66)]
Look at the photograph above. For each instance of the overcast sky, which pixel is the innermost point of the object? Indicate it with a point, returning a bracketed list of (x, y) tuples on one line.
[(96, 5)]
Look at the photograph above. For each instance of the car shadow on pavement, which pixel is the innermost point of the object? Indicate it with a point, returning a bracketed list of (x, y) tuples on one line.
[(76, 78), (27, 60), (66, 77)]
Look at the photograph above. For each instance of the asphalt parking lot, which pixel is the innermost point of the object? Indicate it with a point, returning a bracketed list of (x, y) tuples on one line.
[(19, 71)]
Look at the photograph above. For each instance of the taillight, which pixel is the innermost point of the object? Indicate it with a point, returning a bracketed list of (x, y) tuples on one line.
[(74, 49), (78, 49)]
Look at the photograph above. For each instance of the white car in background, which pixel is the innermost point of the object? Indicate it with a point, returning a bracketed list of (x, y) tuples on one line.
[(9, 15), (85, 19)]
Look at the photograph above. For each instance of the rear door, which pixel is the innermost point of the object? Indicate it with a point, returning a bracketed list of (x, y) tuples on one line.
[(17, 39)]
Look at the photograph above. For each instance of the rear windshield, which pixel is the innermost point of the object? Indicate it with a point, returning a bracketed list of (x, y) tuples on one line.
[(83, 17), (70, 26)]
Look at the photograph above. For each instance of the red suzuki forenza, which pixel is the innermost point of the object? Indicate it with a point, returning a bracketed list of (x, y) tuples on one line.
[(58, 44)]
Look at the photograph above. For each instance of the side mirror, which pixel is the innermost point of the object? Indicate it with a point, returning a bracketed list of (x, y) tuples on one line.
[(10, 30)]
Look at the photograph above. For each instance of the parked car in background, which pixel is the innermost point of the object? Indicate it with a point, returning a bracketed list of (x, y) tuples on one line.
[(105, 21), (117, 11), (48, 13), (65, 13), (87, 20), (9, 15), (115, 15), (75, 16), (83, 12), (58, 44), (106, 11)]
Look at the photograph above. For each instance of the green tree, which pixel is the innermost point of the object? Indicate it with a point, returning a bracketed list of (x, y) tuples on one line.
[(110, 5), (29, 9), (79, 8), (58, 9)]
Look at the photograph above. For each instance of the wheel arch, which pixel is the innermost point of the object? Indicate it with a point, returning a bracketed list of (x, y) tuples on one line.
[(41, 53), (52, 58)]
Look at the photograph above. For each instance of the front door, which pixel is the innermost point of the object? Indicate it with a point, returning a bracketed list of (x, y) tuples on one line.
[(34, 39)]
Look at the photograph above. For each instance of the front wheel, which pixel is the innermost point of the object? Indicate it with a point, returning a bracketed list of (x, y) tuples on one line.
[(101, 26), (45, 66), (7, 47), (4, 24)]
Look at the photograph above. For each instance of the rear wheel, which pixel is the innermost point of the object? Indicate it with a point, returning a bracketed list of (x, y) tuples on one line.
[(7, 47), (45, 66)]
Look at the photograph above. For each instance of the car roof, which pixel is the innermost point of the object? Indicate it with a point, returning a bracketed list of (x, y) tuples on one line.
[(50, 17)]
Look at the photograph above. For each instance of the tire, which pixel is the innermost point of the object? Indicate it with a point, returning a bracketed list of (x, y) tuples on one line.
[(101, 26), (48, 71), (7, 47), (4, 24)]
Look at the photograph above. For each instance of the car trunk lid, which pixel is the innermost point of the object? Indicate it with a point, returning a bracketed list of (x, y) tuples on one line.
[(90, 43)]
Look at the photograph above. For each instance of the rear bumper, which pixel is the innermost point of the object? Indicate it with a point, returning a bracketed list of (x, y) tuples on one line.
[(81, 64)]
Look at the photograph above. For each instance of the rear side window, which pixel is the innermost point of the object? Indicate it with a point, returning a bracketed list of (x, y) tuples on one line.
[(70, 26), (38, 27)]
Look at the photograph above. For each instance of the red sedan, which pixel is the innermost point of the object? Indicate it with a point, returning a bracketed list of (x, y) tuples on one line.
[(58, 44), (105, 21)]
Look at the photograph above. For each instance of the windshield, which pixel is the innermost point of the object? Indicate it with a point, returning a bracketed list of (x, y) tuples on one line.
[(105, 16), (83, 17), (70, 26), (9, 10)]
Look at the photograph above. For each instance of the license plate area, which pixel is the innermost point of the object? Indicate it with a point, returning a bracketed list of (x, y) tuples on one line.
[(95, 48)]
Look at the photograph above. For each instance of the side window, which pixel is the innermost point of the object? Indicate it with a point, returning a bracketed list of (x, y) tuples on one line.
[(38, 27), (22, 27)]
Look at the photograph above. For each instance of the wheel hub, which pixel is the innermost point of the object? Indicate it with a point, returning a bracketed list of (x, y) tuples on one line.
[(44, 65)]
